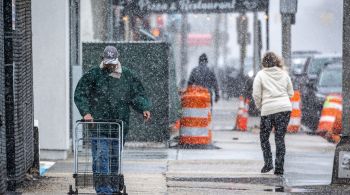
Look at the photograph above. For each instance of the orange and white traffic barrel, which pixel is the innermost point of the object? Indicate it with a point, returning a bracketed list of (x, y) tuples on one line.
[(175, 127), (295, 117), (334, 135), (337, 127), (335, 138), (332, 108), (195, 121), (210, 134), (242, 115)]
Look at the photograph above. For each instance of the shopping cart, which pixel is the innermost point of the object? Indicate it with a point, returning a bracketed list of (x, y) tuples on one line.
[(98, 147)]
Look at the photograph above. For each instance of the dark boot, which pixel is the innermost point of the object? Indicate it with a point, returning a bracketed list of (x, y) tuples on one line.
[(279, 166), (266, 168), (278, 171)]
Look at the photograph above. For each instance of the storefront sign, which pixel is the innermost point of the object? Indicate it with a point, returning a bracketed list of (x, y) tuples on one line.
[(200, 6)]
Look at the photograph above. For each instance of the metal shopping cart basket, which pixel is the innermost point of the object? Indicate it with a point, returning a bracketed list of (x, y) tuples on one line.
[(98, 147)]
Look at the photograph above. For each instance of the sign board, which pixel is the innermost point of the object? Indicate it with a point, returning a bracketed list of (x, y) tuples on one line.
[(195, 6), (344, 164), (251, 5), (199, 39)]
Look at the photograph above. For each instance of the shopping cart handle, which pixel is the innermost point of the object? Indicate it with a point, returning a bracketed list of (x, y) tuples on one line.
[(101, 120)]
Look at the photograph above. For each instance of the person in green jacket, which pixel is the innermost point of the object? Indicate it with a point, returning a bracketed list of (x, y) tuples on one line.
[(104, 93)]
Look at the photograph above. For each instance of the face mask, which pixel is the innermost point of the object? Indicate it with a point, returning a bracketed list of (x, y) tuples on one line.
[(109, 69)]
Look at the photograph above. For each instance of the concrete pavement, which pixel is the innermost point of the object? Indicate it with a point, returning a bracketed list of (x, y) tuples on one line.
[(231, 167), (308, 162)]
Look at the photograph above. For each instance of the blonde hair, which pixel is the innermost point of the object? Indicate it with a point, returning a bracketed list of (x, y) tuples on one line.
[(270, 59)]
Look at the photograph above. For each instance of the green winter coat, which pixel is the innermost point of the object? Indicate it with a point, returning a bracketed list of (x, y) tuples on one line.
[(106, 97)]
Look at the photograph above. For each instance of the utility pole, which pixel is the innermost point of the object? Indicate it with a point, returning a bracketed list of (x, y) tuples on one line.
[(183, 51), (267, 19), (256, 59), (341, 173), (217, 39), (260, 44), (286, 39), (288, 9), (224, 53), (243, 38)]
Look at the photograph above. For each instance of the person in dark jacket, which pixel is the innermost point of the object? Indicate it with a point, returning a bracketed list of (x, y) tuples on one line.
[(203, 76), (104, 93)]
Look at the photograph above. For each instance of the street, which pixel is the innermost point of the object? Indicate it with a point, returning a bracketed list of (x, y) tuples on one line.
[(231, 166)]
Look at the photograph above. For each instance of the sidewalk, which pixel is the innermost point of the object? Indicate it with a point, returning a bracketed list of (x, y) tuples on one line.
[(235, 167), (231, 167), (309, 161), (143, 169)]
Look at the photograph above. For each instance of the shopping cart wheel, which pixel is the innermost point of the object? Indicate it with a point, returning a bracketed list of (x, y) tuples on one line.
[(124, 190), (121, 182), (71, 191)]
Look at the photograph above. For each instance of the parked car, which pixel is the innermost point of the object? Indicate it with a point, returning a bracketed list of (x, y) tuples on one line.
[(305, 53), (317, 62), (329, 82), (308, 80), (297, 71), (300, 59)]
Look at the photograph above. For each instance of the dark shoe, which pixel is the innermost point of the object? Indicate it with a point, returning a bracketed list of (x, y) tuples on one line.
[(278, 172), (266, 168)]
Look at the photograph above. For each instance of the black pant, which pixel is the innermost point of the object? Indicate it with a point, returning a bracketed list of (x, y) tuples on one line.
[(280, 122)]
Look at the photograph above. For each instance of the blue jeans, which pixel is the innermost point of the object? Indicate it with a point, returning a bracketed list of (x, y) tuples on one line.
[(105, 153)]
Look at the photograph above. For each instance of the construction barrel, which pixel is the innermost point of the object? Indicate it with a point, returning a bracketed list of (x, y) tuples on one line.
[(330, 120), (295, 117), (242, 115), (196, 117)]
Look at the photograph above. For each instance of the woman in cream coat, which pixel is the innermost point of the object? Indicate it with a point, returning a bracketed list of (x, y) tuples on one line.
[(272, 90)]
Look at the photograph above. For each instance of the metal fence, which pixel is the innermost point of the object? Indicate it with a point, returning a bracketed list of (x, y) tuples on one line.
[(19, 89), (2, 108)]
